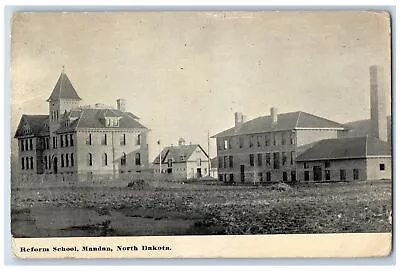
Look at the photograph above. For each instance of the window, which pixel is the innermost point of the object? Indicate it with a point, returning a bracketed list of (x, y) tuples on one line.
[(71, 139), (66, 141), (199, 162), (292, 157), (61, 141), (45, 162), (105, 160), (292, 138), (49, 161), (284, 158), (381, 167), (62, 160), (123, 140), (66, 160), (22, 163), (229, 143), (54, 142), (342, 174), (268, 159), (259, 138), (89, 139), (225, 144), (250, 141), (305, 165), (306, 175), (327, 175), (48, 143), (231, 161), (283, 139), (241, 142), (27, 162), (30, 144), (72, 159), (90, 159), (104, 140), (21, 143), (138, 139), (276, 160), (267, 140), (274, 138), (268, 176), (231, 180), (225, 161), (31, 162), (221, 177), (355, 174), (259, 159), (284, 176), (137, 160), (260, 177), (220, 161), (327, 164), (293, 176), (251, 158), (123, 159), (219, 145)]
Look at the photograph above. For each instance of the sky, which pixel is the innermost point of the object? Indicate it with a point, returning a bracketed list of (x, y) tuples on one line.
[(186, 73)]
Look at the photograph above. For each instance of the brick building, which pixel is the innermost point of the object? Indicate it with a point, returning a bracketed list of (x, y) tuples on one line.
[(82, 141), (265, 149)]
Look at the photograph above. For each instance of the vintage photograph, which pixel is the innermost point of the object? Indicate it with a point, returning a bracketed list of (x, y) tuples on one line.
[(200, 123)]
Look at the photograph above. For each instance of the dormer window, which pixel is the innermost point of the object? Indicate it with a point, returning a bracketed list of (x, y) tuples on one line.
[(112, 121)]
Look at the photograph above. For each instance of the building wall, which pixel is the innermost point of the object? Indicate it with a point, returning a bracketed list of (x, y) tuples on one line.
[(289, 142), (113, 149), (28, 153), (197, 160), (373, 168), (334, 167)]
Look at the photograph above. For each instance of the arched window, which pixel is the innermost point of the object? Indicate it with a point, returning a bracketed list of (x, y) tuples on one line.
[(62, 160), (105, 162), (45, 162), (27, 162), (66, 160), (90, 159), (72, 159), (49, 159), (123, 159)]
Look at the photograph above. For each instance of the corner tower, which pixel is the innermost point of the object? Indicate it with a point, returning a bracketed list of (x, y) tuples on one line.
[(63, 98)]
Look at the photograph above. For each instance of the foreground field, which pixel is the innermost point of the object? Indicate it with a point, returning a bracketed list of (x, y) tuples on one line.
[(202, 209)]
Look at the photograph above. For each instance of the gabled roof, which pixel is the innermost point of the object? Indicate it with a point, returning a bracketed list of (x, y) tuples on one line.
[(38, 125), (178, 153), (286, 121), (63, 90), (94, 118), (346, 148)]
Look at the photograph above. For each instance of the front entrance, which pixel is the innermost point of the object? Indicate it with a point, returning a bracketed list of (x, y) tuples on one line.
[(317, 173), (198, 172), (169, 170), (242, 173), (55, 165)]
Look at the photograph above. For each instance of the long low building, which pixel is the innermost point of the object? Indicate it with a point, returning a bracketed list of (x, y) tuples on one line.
[(346, 159)]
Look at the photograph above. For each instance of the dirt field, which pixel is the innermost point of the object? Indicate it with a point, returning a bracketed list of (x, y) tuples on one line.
[(202, 209)]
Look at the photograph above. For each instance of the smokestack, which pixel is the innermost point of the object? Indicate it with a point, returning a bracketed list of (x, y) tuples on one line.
[(378, 127), (121, 105), (274, 115)]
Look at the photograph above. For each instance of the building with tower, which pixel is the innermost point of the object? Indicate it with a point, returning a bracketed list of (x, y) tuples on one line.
[(80, 142)]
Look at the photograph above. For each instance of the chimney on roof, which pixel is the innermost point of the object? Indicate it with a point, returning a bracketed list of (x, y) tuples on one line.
[(274, 115), (239, 119), (181, 141), (378, 127), (121, 104)]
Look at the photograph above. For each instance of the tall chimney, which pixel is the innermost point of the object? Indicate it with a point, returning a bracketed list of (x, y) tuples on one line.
[(274, 115), (238, 119), (121, 104), (378, 127)]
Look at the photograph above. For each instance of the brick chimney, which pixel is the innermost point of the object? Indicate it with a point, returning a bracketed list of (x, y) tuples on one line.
[(378, 127), (274, 115), (121, 104)]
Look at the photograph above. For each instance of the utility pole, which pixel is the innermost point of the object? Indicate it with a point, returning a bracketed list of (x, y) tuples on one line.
[(159, 143), (208, 152)]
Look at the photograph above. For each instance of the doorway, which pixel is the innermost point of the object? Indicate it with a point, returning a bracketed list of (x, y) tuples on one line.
[(242, 173), (317, 173), (198, 172)]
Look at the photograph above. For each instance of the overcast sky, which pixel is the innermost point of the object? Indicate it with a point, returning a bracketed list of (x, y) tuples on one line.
[(185, 73)]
